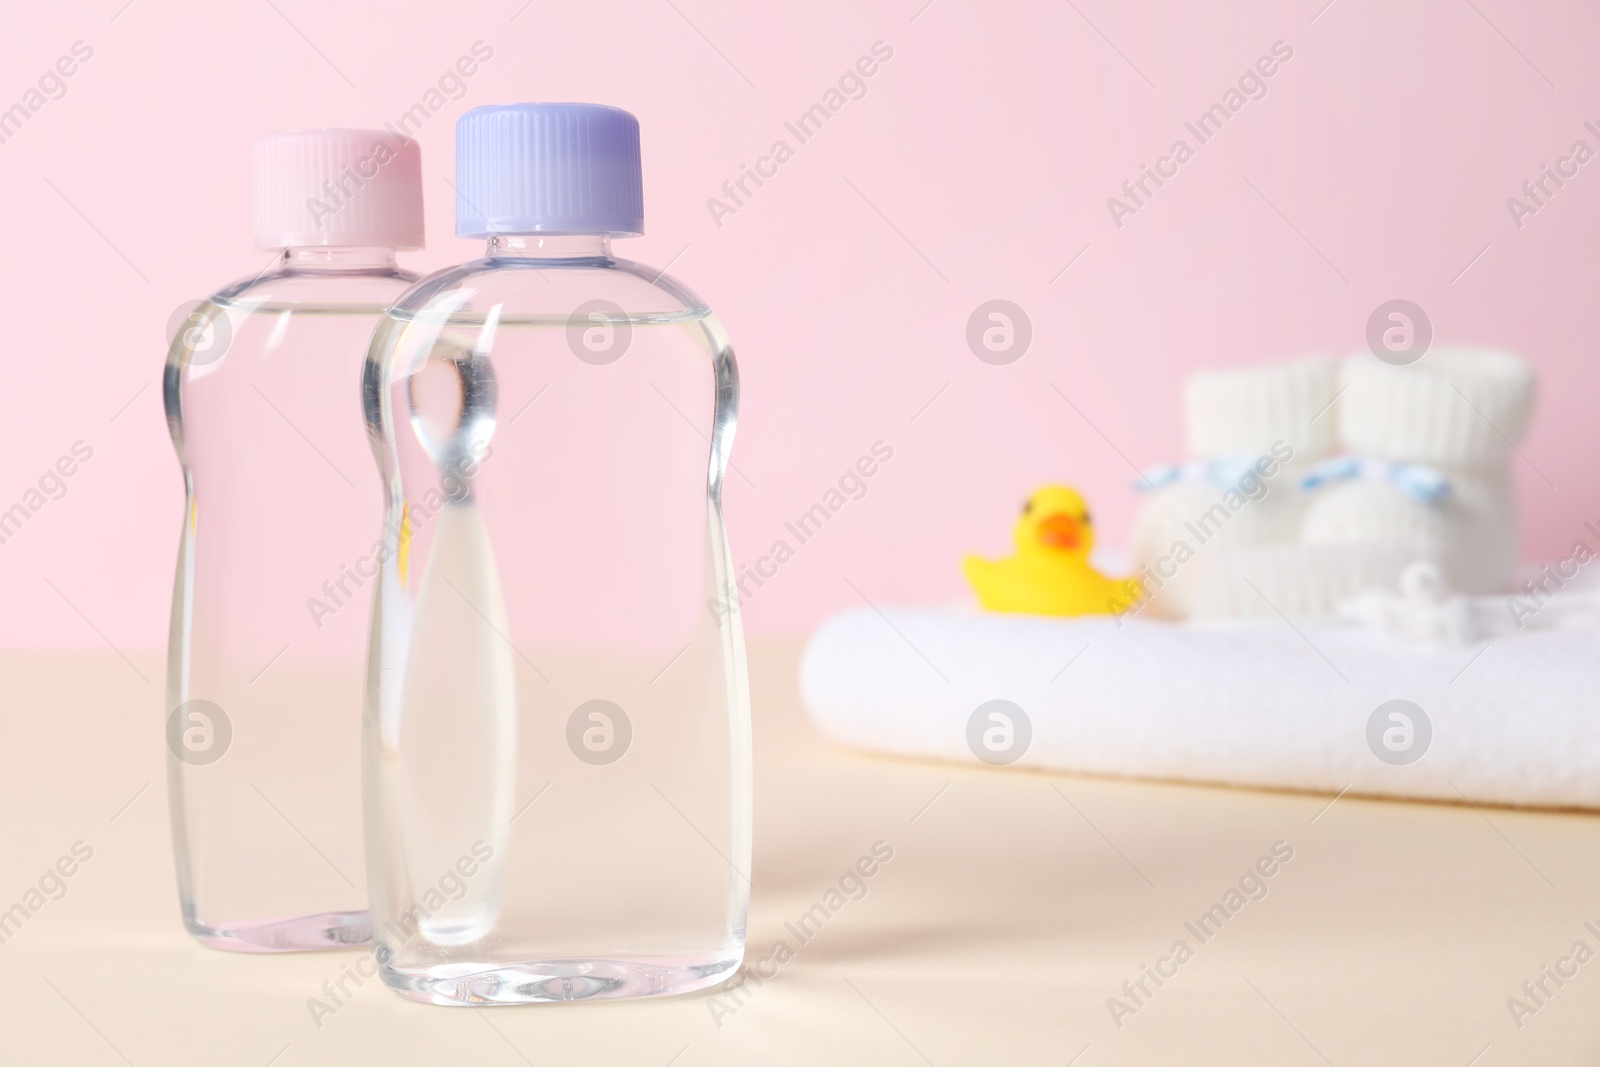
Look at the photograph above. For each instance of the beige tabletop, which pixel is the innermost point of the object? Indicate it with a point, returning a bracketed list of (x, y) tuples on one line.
[(1015, 907)]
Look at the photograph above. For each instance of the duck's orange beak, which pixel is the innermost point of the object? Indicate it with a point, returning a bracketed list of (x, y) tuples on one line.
[(1061, 531)]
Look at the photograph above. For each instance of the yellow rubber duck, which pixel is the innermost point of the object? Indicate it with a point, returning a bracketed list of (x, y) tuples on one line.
[(1051, 573)]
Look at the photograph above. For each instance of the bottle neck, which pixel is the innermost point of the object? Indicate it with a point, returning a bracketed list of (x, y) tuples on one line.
[(335, 259), (550, 246)]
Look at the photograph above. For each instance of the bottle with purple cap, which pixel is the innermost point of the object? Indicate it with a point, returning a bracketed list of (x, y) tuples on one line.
[(557, 737)]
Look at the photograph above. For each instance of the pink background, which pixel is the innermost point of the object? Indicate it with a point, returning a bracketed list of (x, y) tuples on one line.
[(976, 167)]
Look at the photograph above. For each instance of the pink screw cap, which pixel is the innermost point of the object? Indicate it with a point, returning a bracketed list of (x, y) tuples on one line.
[(337, 187)]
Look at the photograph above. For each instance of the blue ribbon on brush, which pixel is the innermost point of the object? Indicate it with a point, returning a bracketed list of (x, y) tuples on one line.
[(1417, 480)]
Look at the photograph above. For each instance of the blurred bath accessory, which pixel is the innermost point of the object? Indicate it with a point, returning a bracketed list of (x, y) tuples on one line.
[(1424, 609)]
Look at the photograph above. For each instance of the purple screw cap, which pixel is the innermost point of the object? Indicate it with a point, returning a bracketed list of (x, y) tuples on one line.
[(548, 168)]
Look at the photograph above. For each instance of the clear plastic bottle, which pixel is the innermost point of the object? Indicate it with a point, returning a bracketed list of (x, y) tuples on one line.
[(264, 676), (557, 749)]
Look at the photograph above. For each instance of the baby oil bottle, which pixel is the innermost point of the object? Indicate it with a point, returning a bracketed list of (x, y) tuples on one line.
[(557, 741), (278, 549)]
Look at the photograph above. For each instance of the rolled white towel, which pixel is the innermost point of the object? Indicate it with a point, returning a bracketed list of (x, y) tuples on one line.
[(1254, 704)]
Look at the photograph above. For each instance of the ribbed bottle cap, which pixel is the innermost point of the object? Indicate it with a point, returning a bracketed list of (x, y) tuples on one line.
[(548, 168), (337, 187)]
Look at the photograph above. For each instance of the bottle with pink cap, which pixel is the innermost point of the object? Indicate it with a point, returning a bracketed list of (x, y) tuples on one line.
[(277, 553), (557, 732)]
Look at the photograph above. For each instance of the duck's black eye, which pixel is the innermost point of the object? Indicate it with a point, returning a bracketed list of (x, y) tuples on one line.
[(1027, 506), (1086, 516)]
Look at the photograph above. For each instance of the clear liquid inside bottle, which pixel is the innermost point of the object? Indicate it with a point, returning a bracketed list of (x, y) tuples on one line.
[(557, 723), (271, 600)]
